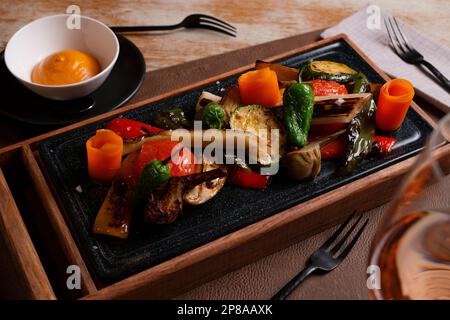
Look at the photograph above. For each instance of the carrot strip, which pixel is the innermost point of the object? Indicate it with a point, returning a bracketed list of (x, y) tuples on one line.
[(259, 87), (104, 154), (393, 104)]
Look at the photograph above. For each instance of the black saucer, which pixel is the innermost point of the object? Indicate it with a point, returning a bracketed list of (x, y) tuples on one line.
[(25, 106)]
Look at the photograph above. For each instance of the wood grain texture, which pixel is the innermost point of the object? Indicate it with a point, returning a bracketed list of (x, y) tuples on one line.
[(65, 242), (257, 21), (31, 274)]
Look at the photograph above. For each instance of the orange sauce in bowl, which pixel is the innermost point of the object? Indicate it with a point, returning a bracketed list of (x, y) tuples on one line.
[(65, 67)]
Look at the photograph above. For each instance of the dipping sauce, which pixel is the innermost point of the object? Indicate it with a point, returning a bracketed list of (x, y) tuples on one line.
[(65, 67)]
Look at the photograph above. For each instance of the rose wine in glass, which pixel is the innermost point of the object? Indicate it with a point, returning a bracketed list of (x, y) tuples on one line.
[(412, 244)]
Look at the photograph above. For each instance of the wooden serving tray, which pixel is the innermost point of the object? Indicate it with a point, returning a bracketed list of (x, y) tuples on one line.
[(41, 245)]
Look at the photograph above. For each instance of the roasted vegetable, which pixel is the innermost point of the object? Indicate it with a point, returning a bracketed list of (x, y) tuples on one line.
[(181, 159), (284, 74), (207, 190), (153, 176), (170, 119), (213, 116), (327, 88), (260, 122), (298, 104), (360, 132), (205, 98), (230, 101), (248, 179), (382, 145), (259, 87), (305, 163), (336, 109), (104, 154), (393, 104), (114, 216), (361, 84), (250, 142), (328, 70), (165, 204), (131, 130)]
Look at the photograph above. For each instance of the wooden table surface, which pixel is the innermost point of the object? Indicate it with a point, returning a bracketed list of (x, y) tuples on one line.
[(257, 22)]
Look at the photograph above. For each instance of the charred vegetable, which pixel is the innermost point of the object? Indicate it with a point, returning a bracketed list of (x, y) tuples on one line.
[(248, 179), (284, 74), (131, 130), (213, 116), (361, 132), (170, 119), (328, 70), (207, 190), (114, 216), (298, 103), (154, 175), (338, 108), (165, 204), (205, 98), (361, 84), (305, 163), (230, 101), (260, 122)]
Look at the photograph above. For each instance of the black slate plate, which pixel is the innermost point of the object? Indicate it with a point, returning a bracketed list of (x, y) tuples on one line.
[(233, 208), (123, 82)]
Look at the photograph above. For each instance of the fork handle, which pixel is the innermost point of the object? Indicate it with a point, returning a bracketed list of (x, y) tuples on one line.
[(438, 74), (294, 283), (144, 28)]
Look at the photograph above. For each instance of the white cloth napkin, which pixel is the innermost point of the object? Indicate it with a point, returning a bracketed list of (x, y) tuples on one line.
[(375, 44)]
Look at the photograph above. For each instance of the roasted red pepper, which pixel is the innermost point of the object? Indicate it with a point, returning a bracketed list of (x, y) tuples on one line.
[(245, 178), (130, 129), (327, 88), (335, 149), (383, 145)]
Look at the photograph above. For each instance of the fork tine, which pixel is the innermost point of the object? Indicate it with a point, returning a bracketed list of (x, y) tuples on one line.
[(342, 241), (217, 20), (337, 232), (390, 32), (203, 25), (397, 37), (402, 35), (346, 251), (217, 24)]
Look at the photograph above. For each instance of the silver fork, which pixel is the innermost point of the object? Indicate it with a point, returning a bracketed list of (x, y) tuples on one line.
[(406, 51), (324, 258), (199, 21)]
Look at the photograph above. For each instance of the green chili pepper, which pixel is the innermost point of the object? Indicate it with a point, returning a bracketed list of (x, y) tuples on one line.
[(360, 132), (361, 83), (155, 174), (170, 119), (298, 101), (213, 115)]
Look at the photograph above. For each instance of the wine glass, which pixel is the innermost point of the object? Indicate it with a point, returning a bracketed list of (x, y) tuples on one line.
[(412, 243)]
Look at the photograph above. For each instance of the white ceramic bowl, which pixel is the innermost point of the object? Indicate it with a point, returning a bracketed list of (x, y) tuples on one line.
[(43, 37)]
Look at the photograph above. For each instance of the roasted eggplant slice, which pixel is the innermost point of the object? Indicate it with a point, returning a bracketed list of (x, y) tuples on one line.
[(164, 205), (207, 190)]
